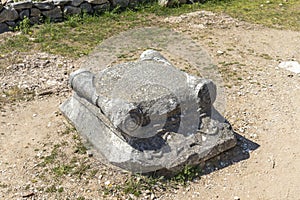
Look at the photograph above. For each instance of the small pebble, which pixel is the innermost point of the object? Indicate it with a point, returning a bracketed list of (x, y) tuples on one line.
[(89, 153), (219, 52)]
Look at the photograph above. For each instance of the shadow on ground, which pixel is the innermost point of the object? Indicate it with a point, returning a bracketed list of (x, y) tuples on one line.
[(232, 156), (239, 153)]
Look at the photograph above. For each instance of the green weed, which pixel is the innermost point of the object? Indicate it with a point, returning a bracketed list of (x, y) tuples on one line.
[(53, 189), (188, 173), (24, 26), (62, 169)]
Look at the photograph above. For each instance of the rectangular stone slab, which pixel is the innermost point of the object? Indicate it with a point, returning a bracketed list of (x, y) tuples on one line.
[(93, 125)]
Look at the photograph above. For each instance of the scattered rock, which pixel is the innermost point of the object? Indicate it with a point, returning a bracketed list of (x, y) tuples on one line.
[(89, 153), (204, 19), (219, 52), (41, 74), (30, 194), (292, 66)]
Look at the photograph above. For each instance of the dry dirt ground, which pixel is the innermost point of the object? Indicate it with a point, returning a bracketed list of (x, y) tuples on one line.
[(262, 104)]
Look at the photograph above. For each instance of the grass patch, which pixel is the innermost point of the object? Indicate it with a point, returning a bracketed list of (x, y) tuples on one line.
[(272, 13), (136, 184), (53, 189), (187, 174), (62, 170), (78, 35)]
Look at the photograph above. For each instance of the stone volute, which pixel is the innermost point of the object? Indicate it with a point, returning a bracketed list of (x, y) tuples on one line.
[(147, 115)]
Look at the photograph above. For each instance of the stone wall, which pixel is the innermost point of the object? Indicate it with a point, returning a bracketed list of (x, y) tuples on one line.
[(12, 13)]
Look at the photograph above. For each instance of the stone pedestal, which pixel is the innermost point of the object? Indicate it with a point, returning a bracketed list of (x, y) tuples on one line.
[(147, 115)]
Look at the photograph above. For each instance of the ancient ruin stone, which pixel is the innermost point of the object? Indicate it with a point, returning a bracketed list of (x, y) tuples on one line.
[(61, 2), (71, 10), (23, 14), (44, 5), (101, 8), (3, 27), (98, 2), (121, 3), (8, 14), (76, 2), (55, 13), (11, 23), (35, 12), (22, 5), (86, 8), (170, 3), (147, 115)]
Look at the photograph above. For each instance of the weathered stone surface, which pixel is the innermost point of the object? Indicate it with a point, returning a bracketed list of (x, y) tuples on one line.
[(76, 2), (55, 13), (11, 23), (1, 6), (121, 3), (24, 13), (3, 27), (86, 8), (22, 5), (101, 8), (147, 115), (61, 2), (35, 20), (71, 10), (170, 3), (34, 12), (8, 14), (98, 2), (133, 3), (44, 5)]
